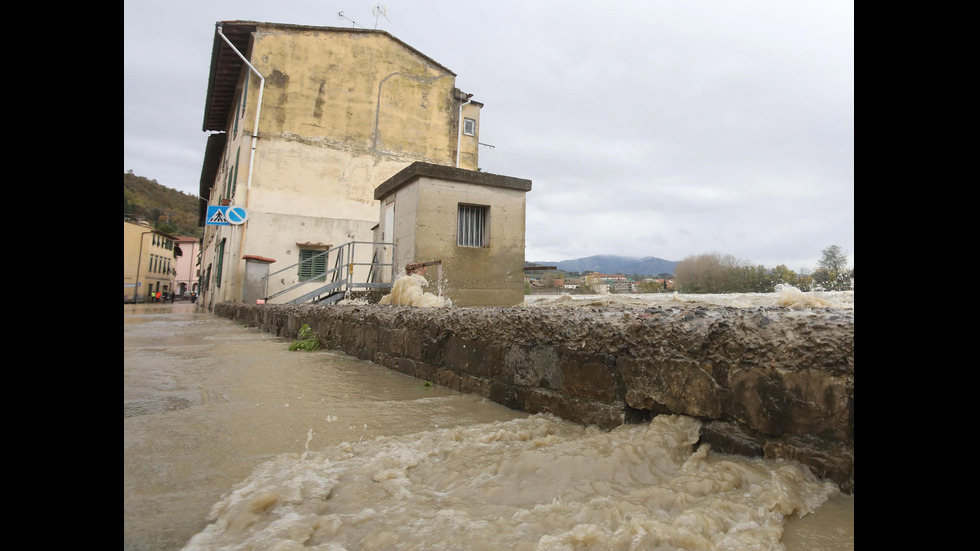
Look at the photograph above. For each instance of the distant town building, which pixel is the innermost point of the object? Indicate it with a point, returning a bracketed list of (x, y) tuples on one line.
[(149, 260), (188, 264)]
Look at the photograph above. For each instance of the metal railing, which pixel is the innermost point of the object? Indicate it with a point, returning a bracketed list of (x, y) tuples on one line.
[(340, 276)]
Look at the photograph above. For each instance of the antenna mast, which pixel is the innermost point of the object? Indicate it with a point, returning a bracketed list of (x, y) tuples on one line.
[(341, 15), (379, 10)]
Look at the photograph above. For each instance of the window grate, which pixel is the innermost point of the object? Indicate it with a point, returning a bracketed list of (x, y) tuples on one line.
[(471, 226)]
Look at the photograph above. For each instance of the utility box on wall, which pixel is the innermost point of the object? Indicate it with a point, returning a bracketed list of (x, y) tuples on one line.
[(256, 278), (471, 221)]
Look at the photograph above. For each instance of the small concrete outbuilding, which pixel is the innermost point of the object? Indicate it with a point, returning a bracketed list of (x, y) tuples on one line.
[(469, 223)]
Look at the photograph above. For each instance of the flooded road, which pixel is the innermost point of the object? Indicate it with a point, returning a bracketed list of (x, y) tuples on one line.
[(231, 441), (205, 401)]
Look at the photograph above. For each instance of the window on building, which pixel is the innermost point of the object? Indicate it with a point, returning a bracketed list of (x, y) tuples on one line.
[(234, 176), (245, 94), (469, 126), (221, 262), (471, 226), (312, 263)]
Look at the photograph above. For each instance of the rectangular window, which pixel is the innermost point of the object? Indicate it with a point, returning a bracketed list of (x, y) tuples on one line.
[(234, 176), (245, 93), (221, 262), (312, 263), (471, 226), (469, 127)]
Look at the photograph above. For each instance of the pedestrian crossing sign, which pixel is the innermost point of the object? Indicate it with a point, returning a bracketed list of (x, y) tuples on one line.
[(225, 216)]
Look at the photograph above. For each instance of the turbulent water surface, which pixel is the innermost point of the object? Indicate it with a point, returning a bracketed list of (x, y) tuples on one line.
[(233, 442)]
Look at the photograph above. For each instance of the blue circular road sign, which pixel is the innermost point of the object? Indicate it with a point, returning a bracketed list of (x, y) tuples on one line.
[(236, 215)]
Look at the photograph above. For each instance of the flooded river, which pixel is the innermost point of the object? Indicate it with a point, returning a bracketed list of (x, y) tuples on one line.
[(231, 441)]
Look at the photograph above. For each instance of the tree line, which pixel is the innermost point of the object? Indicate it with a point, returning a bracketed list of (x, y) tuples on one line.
[(168, 210), (716, 273)]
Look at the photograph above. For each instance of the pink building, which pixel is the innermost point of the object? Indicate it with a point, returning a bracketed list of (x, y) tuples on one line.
[(187, 264)]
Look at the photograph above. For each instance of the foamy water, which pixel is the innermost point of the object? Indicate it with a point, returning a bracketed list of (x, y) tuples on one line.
[(538, 483), (408, 290), (785, 296)]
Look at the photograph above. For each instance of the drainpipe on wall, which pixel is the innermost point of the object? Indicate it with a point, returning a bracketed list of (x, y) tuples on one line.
[(251, 156), (258, 110), (459, 131)]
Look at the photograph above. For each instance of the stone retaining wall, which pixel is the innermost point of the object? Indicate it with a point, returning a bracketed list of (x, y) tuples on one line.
[(766, 381)]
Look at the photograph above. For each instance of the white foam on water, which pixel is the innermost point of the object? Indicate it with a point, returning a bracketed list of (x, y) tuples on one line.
[(784, 295), (407, 291), (537, 483)]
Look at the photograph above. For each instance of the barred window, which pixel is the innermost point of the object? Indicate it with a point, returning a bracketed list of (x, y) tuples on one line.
[(469, 126), (471, 226)]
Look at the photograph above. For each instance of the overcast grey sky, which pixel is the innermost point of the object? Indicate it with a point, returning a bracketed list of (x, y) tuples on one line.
[(665, 128)]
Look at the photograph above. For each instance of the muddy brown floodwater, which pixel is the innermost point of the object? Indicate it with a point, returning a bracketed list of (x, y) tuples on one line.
[(231, 441)]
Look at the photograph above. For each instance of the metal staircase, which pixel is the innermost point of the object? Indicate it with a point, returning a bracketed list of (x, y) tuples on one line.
[(340, 277)]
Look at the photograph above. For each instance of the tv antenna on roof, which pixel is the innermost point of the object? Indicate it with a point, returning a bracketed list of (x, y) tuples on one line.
[(379, 10), (341, 15)]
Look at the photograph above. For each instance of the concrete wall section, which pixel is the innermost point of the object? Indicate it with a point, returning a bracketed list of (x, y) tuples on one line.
[(404, 233), (365, 91), (771, 382), (282, 236)]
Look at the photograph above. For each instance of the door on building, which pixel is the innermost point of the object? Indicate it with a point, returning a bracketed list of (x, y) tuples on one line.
[(388, 237)]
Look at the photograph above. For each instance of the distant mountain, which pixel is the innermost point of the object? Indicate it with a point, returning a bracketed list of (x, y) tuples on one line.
[(608, 264)]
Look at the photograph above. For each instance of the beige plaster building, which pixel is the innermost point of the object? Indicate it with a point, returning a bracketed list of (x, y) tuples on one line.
[(308, 122), (148, 262)]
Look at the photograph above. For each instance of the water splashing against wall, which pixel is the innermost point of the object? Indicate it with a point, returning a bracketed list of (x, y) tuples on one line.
[(407, 291)]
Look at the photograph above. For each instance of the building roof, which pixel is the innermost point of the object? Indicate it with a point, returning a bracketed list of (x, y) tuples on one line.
[(226, 65), (149, 229), (419, 169)]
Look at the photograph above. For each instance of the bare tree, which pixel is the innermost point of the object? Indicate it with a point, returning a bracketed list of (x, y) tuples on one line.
[(707, 273), (834, 259)]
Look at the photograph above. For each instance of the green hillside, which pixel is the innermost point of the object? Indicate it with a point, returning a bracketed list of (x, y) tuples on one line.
[(167, 210)]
